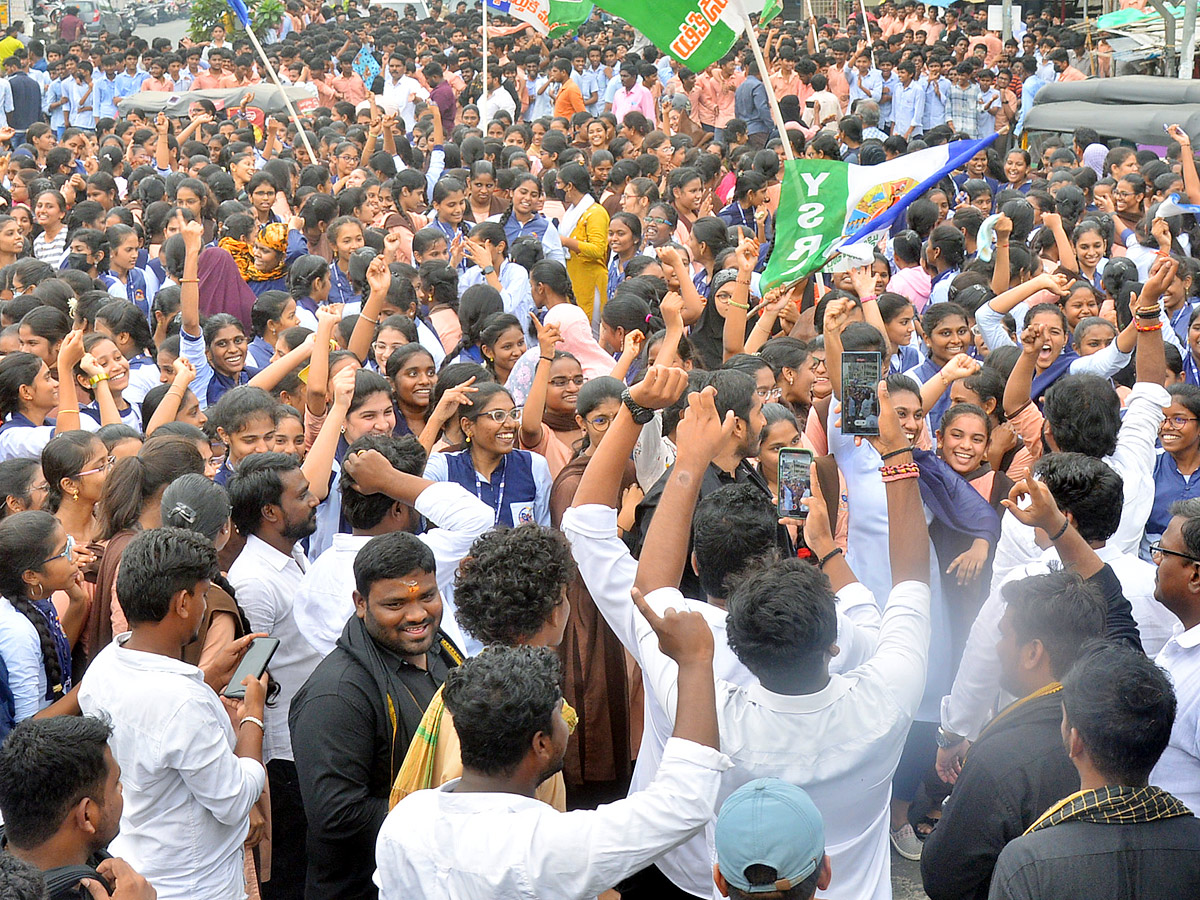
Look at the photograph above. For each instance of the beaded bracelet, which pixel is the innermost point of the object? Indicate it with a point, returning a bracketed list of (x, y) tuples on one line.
[(1157, 326), (887, 479), (903, 470)]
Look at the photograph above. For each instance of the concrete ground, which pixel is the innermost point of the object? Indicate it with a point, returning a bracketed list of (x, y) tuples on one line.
[(906, 879)]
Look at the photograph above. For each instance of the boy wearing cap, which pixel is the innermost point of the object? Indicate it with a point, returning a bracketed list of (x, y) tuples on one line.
[(770, 840)]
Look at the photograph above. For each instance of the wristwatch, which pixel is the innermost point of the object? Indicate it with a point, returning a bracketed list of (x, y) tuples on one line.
[(641, 415), (946, 740), (487, 270)]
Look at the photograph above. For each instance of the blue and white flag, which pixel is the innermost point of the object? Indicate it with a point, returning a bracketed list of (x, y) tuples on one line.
[(826, 204), (239, 10), (1173, 207)]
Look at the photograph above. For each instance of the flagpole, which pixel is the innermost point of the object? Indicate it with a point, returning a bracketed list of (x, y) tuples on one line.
[(287, 101), (766, 79), (483, 6), (862, 4), (813, 26)]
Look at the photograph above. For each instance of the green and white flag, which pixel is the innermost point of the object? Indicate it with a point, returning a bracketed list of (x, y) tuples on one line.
[(696, 33), (825, 204)]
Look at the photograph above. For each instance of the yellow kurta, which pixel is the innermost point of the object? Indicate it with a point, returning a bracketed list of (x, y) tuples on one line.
[(587, 266)]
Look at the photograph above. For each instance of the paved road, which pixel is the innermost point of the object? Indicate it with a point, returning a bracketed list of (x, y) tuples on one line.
[(173, 30)]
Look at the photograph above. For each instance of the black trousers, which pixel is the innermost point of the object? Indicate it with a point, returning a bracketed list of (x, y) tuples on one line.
[(651, 884), (289, 829)]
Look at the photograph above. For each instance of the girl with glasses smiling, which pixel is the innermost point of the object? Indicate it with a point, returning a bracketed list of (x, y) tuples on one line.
[(514, 483), (34, 642), (1178, 462), (76, 465)]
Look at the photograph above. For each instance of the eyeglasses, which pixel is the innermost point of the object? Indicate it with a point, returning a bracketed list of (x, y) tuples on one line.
[(499, 416), (1124, 194), (68, 552), (1179, 421), (601, 423), (768, 393), (348, 158), (103, 467), (656, 220), (1158, 551), (562, 381)]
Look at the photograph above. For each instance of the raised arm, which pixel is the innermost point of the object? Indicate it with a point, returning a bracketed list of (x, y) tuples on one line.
[(1187, 160), (702, 436), (1150, 360), (319, 461), (318, 367), (379, 277), (693, 303), (908, 536), (959, 366), (837, 314), (1019, 388), (535, 400), (601, 481), (734, 332), (275, 372), (1066, 250), (1001, 267), (69, 354)]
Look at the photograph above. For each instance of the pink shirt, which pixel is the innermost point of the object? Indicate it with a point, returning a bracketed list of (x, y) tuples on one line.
[(636, 98), (912, 283)]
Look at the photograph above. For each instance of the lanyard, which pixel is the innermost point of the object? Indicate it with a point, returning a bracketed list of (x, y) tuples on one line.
[(499, 493)]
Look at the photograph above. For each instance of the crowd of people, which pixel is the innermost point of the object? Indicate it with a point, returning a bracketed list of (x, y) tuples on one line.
[(469, 395)]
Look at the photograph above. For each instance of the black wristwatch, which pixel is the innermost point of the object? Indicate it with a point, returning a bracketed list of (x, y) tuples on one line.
[(487, 270), (640, 414)]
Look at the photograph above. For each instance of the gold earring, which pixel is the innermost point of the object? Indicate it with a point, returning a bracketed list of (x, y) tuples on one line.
[(75, 495)]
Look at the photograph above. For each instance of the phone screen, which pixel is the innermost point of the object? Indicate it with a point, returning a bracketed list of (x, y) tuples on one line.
[(253, 663), (860, 392), (794, 481)]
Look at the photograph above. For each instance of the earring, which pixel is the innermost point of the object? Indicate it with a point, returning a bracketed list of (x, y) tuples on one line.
[(790, 380), (38, 595), (75, 495)]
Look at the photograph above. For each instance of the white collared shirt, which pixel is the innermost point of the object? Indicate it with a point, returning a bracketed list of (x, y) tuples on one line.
[(450, 846), (325, 599), (267, 582), (1133, 460), (1178, 769), (187, 797), (514, 288), (976, 694), (608, 570)]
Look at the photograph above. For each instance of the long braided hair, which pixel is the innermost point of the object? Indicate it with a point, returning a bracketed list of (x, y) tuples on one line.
[(26, 540), (519, 180)]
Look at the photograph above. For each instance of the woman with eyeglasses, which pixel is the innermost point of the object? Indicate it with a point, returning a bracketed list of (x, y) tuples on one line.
[(35, 643), (598, 757), (515, 483), (548, 420), (1177, 467), (22, 486), (76, 465)]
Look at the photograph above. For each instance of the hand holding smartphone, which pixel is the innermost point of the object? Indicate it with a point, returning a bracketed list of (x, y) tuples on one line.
[(860, 392), (253, 664), (794, 481)]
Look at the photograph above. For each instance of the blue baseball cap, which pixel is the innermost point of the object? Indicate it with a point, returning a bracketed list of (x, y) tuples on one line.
[(769, 822)]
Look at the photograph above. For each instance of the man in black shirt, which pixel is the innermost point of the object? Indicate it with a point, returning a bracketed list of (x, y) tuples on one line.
[(354, 718)]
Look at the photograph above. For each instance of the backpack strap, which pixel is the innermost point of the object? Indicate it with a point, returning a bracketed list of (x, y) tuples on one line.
[(62, 880)]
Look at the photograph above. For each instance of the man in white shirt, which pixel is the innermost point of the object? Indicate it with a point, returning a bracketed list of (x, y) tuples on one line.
[(385, 494), (484, 834), (272, 506), (496, 99), (1088, 492), (889, 682), (190, 777), (1177, 587), (402, 91)]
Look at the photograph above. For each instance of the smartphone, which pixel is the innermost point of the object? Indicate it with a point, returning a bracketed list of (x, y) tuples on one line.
[(254, 663), (794, 481), (860, 391)]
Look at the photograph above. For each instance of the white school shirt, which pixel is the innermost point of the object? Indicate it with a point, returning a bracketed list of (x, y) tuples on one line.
[(187, 796), (266, 582), (443, 845), (21, 650), (1178, 769), (841, 744), (609, 570), (325, 600), (1133, 460), (25, 441)]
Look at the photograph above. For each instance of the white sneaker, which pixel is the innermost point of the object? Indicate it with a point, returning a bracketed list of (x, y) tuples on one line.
[(906, 842)]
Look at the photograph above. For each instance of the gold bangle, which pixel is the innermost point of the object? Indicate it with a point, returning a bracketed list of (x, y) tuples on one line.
[(189, 280)]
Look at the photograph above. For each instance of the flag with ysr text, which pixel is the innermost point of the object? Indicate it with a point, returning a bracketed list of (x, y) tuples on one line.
[(824, 204), (697, 33)]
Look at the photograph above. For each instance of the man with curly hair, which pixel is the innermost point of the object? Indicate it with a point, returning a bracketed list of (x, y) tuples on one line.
[(511, 591)]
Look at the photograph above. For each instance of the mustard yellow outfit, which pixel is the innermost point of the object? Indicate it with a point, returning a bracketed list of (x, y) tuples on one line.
[(588, 266)]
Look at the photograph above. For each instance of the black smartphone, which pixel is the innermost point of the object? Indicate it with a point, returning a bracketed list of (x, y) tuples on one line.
[(860, 391), (794, 481), (254, 663)]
